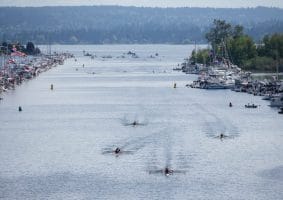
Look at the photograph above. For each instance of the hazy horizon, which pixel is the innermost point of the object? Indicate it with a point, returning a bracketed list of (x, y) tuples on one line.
[(145, 3)]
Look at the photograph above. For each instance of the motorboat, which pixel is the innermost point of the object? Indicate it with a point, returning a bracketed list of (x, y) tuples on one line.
[(214, 84), (251, 106), (277, 101)]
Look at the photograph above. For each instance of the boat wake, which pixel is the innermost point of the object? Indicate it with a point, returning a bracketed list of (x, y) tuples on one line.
[(164, 160), (217, 127), (136, 121)]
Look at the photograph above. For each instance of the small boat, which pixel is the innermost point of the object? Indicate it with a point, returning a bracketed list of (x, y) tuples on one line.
[(267, 97), (251, 106), (215, 84), (277, 101), (177, 69)]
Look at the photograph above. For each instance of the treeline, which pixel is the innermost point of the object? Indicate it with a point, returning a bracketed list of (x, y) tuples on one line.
[(115, 24), (8, 48), (230, 42)]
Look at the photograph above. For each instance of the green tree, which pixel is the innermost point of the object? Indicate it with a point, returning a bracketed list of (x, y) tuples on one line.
[(30, 48), (242, 49), (219, 33), (238, 31), (272, 46), (260, 64), (201, 56), (193, 57)]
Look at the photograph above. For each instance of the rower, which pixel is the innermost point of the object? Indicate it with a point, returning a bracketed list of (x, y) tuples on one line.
[(117, 150), (167, 171), (221, 136), (175, 85), (135, 123), (20, 109), (230, 104), (51, 87)]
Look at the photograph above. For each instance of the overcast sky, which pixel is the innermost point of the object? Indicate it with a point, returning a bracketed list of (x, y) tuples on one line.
[(151, 3)]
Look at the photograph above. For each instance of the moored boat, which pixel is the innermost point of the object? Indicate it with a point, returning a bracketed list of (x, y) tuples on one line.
[(277, 101), (251, 106)]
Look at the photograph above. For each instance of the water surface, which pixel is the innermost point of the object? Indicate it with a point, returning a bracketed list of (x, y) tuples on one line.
[(55, 148)]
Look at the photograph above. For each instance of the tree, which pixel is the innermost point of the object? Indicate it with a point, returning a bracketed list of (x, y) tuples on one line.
[(37, 51), (238, 31), (201, 56), (219, 33), (272, 46), (193, 57), (30, 48), (242, 49), (276, 46), (261, 64), (4, 44)]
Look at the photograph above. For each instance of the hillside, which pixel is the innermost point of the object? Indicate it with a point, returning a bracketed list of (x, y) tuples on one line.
[(115, 24)]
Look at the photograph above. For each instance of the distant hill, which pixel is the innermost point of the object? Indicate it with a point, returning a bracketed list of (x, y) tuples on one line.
[(115, 24)]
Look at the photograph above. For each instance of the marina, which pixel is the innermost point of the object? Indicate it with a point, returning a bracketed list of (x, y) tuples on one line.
[(225, 75)]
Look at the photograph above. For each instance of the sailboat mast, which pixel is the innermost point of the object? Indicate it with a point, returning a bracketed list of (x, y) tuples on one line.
[(195, 51), (277, 66)]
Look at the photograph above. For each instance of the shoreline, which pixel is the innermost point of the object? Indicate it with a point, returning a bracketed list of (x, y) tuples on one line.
[(229, 76), (16, 70)]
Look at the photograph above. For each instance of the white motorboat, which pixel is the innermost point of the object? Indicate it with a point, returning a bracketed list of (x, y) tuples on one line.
[(277, 101)]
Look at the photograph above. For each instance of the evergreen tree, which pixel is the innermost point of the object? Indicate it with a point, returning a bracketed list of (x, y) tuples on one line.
[(30, 49)]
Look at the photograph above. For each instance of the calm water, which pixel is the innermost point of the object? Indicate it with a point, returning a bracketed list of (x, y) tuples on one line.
[(57, 147)]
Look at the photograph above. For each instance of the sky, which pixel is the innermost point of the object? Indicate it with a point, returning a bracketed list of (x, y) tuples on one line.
[(148, 3)]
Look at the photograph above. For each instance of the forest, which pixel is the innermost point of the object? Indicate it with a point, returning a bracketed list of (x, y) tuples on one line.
[(116, 24)]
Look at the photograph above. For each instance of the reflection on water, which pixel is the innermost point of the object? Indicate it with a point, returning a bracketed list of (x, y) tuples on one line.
[(61, 145)]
